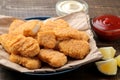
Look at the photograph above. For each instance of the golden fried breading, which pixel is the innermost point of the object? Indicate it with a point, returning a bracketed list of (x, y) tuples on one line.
[(8, 40), (3, 38), (77, 49), (32, 27), (30, 63), (61, 23), (56, 23), (52, 57), (15, 24), (27, 47), (70, 33), (19, 44), (84, 35), (51, 24), (46, 39), (29, 28), (48, 25)]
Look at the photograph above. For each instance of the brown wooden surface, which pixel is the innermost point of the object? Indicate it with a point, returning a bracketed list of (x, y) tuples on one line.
[(32, 8)]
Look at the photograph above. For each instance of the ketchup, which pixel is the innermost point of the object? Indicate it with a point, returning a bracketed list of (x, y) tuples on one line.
[(107, 27)]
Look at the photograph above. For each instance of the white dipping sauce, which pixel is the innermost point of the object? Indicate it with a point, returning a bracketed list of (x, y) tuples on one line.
[(70, 6)]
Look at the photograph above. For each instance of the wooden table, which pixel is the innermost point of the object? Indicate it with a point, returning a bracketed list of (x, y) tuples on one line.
[(23, 10)]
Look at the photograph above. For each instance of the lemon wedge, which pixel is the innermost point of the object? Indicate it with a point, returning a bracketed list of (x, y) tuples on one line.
[(107, 52), (108, 67), (118, 60)]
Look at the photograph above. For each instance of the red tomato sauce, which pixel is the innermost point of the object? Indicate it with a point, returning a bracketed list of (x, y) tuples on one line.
[(107, 27)]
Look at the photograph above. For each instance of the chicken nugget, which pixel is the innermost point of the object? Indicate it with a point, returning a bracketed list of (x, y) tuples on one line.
[(52, 57), (48, 25), (61, 23), (4, 38), (29, 28), (77, 49), (15, 24), (30, 63), (7, 40), (46, 39), (68, 33), (27, 47), (32, 27), (83, 36), (56, 23), (51, 24), (19, 44)]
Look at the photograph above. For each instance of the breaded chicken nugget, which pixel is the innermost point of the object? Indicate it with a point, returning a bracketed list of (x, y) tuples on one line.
[(3, 38), (68, 33), (48, 25), (8, 40), (51, 24), (84, 36), (30, 63), (53, 58), (57, 23), (61, 23), (27, 47), (19, 44), (32, 27), (29, 28), (46, 39), (77, 49), (15, 24)]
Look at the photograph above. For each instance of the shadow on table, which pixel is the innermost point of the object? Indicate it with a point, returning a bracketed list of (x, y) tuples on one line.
[(86, 72)]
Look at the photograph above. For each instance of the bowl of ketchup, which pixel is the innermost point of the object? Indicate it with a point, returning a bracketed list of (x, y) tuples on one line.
[(107, 27)]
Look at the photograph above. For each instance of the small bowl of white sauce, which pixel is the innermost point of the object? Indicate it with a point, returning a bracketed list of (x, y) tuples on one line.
[(64, 7)]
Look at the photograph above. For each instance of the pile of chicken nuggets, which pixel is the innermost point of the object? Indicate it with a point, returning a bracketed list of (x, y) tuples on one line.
[(52, 41)]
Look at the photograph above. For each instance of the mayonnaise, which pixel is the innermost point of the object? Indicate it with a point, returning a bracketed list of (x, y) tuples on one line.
[(70, 6)]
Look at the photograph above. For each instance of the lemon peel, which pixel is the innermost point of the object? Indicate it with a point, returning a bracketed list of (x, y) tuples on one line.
[(108, 67), (107, 52)]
